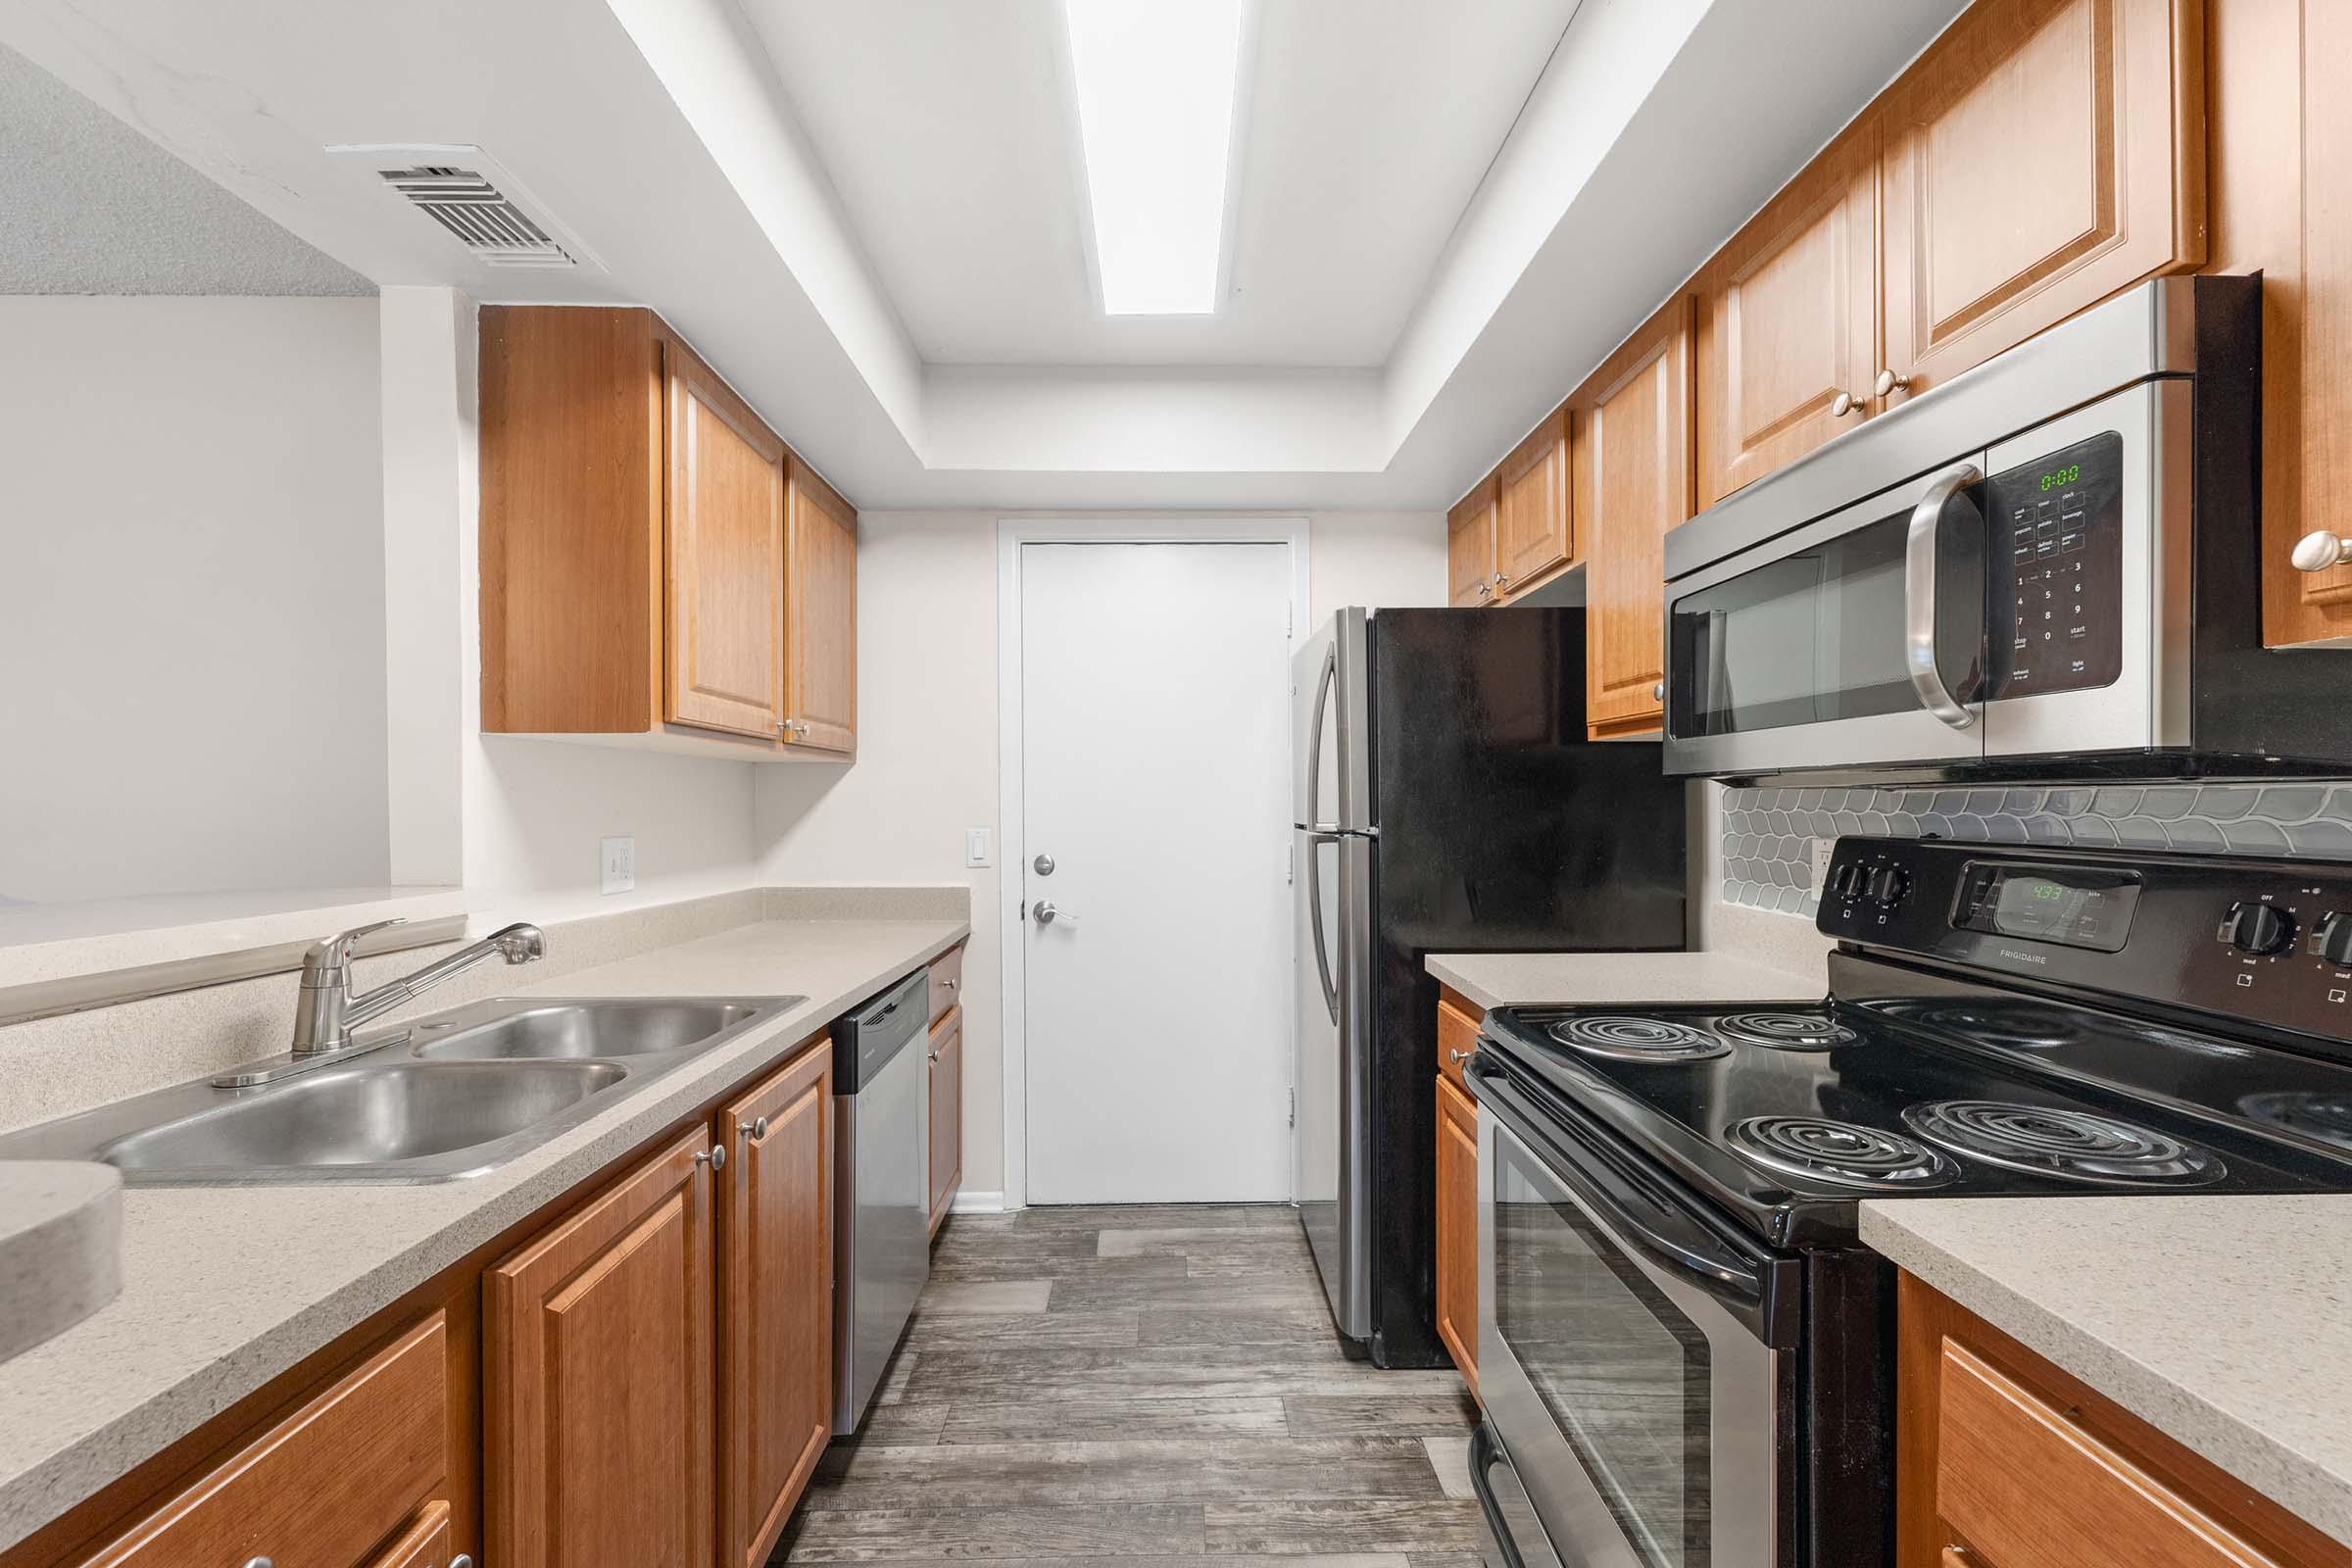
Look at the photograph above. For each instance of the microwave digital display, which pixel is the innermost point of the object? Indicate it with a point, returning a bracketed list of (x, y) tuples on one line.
[(2056, 620), (2073, 907)]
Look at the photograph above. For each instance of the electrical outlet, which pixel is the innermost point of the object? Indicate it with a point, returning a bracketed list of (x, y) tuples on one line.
[(975, 845), (620, 860)]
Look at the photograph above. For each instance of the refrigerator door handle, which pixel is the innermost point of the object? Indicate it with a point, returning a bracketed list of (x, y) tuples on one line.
[(1314, 904), (1314, 735)]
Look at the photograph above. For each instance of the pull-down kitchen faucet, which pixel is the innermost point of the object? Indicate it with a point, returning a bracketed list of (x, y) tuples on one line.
[(325, 1012)]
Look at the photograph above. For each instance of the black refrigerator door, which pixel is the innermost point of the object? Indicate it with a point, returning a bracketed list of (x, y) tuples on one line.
[(1501, 829)]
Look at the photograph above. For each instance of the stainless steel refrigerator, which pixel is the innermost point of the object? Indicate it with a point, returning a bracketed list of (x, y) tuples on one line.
[(1444, 800)]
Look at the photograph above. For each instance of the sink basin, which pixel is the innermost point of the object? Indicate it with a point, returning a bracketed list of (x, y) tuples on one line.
[(364, 1114), (448, 1095), (579, 1030)]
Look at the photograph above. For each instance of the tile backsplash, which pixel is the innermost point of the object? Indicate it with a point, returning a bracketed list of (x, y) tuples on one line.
[(1768, 832)]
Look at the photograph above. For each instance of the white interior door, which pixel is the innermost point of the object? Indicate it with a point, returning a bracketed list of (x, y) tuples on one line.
[(1156, 770)]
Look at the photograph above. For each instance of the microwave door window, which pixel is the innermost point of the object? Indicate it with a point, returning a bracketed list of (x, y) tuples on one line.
[(1811, 636)]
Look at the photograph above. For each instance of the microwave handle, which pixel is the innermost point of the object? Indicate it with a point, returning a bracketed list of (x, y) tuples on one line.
[(1918, 595)]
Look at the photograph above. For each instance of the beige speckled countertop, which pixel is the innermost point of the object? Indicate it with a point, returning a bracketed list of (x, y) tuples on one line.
[(1750, 957), (226, 1287), (2221, 1321)]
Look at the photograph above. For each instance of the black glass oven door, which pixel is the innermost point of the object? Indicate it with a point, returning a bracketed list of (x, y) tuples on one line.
[(1643, 1410)]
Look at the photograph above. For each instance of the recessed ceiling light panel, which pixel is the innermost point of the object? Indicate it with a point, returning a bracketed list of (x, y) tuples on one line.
[(1155, 83)]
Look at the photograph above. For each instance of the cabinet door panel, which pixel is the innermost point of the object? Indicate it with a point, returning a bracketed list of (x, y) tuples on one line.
[(423, 1545), (2326, 336), (1531, 507), (726, 523), (821, 617), (1788, 320), (775, 1379), (598, 1388), (1633, 485), (1470, 546), (1458, 1228), (2043, 155), (947, 1113)]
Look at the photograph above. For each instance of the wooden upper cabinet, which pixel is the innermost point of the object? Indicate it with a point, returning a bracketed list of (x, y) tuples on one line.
[(1532, 533), (726, 556), (2281, 148), (1632, 466), (775, 1300), (2042, 155), (596, 1344), (1470, 546), (820, 665), (658, 569), (1787, 321)]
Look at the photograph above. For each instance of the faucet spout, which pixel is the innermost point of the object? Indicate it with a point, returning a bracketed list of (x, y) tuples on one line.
[(327, 1012)]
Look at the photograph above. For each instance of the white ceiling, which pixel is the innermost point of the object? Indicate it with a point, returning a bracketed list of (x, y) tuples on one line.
[(885, 258), (95, 208), (947, 129)]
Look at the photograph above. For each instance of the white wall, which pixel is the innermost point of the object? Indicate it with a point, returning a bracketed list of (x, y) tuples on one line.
[(927, 739), (191, 596)]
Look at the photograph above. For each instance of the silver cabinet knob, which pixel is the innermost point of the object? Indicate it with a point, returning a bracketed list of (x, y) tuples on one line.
[(1503, 579), (1485, 590), (1843, 404), (715, 1158), (1457, 1057), (1889, 383), (955, 984), (464, 1560), (261, 1562), (2316, 552), (1658, 691), (755, 1129), (793, 726)]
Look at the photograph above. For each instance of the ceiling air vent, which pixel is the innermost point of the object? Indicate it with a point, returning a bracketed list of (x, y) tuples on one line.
[(480, 204)]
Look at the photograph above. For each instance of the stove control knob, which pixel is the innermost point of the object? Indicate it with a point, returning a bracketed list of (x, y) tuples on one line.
[(1846, 881), (2260, 929), (2332, 941), (1888, 884)]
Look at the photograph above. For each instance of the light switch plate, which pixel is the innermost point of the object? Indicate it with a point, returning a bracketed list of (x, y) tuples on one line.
[(975, 845), (1822, 850), (619, 861)]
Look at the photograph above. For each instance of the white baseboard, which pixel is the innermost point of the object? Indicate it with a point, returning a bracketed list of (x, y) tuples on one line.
[(968, 1201)]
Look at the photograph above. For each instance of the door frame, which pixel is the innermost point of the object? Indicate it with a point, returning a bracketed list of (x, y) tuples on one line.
[(1011, 534)]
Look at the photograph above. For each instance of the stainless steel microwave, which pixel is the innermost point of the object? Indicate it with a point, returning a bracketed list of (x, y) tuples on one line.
[(2049, 563)]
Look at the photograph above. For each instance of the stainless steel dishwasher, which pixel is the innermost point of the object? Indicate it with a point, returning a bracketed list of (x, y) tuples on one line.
[(881, 1213)]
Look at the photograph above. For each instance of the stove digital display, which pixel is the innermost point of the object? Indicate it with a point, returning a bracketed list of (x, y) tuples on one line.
[(2073, 907)]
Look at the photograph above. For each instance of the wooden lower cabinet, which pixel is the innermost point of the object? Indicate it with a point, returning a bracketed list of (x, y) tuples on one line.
[(2003, 1460), (947, 1113), (597, 1397), (326, 1488), (1458, 1228), (775, 1302)]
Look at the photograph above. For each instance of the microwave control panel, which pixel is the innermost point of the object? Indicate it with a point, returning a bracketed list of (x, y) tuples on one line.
[(2056, 618)]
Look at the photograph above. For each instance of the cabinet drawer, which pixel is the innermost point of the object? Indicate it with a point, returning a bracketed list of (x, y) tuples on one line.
[(1458, 1031), (947, 982), (324, 1486), (2025, 1487), (423, 1545)]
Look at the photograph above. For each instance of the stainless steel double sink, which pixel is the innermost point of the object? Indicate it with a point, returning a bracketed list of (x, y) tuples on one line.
[(450, 1095)]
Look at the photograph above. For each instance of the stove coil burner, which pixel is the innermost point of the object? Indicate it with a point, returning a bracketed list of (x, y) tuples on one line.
[(2072, 1145), (2026, 1028), (1838, 1153), (2324, 1118), (1628, 1038), (1786, 1031)]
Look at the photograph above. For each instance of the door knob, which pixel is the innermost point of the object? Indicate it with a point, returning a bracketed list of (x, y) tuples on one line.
[(1843, 404), (2316, 552), (1889, 383), (1044, 913), (1043, 865)]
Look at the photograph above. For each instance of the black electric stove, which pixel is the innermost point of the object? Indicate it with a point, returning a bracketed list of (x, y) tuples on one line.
[(1923, 1076), (1684, 1351)]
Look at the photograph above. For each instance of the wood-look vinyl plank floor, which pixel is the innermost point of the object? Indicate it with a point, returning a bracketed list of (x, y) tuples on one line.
[(1157, 1384)]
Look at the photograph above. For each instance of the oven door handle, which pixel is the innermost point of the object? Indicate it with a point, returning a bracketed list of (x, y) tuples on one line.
[(1920, 595), (1755, 1287), (1485, 1454)]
